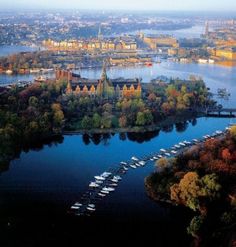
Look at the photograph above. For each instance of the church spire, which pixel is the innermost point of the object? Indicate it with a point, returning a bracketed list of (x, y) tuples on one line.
[(104, 72), (206, 28), (99, 33)]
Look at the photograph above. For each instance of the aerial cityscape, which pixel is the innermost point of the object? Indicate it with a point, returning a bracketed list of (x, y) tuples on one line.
[(117, 122)]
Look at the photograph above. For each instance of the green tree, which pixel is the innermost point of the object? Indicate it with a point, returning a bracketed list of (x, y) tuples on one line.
[(195, 226), (33, 101), (86, 122), (140, 120), (96, 120)]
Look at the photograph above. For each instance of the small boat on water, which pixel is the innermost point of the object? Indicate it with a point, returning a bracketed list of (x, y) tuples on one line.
[(78, 204), (99, 177), (114, 180), (159, 156), (167, 154), (182, 144), (173, 152), (117, 177), (133, 166), (99, 181), (110, 189), (114, 184), (177, 146), (75, 207), (105, 174), (93, 185), (91, 209), (105, 192), (123, 163), (102, 195), (142, 163), (155, 158), (125, 168), (195, 140), (162, 150), (134, 158)]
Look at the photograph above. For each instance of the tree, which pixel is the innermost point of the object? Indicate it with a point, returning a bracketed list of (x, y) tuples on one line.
[(106, 122), (233, 131), (86, 122), (162, 163), (226, 155), (33, 101), (58, 116), (123, 121), (148, 117), (195, 226), (195, 192), (96, 121), (140, 119)]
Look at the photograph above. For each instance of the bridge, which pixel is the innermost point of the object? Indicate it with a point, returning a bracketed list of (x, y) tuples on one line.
[(221, 112)]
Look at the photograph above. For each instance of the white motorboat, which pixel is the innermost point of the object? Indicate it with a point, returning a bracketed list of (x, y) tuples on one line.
[(99, 177), (133, 166), (75, 207), (167, 154), (102, 195), (173, 152), (78, 204), (91, 209), (162, 150), (93, 185), (117, 177), (104, 191), (159, 156), (134, 158), (123, 163), (142, 163), (110, 189)]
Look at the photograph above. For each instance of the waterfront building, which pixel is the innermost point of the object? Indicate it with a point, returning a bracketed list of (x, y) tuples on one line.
[(226, 53), (160, 41), (103, 87)]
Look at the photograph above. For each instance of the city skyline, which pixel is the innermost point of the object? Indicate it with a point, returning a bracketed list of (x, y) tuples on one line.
[(168, 5)]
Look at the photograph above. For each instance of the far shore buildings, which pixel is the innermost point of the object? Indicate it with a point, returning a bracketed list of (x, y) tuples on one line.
[(121, 43), (103, 87)]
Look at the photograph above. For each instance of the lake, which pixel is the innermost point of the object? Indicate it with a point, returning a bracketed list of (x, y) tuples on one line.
[(39, 187)]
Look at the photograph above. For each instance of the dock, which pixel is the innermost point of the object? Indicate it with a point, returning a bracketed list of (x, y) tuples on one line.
[(106, 183)]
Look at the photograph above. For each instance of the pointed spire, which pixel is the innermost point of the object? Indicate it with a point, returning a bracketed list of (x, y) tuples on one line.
[(104, 72), (99, 33), (207, 28)]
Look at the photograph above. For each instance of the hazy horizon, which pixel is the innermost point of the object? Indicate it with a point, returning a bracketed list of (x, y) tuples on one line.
[(131, 5)]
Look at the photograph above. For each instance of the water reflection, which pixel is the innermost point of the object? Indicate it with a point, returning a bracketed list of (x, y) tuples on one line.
[(139, 137), (12, 152)]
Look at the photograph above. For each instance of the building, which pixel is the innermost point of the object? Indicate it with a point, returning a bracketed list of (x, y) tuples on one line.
[(226, 53), (160, 41), (103, 87)]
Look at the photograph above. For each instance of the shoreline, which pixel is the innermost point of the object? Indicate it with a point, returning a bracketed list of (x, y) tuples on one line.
[(171, 120)]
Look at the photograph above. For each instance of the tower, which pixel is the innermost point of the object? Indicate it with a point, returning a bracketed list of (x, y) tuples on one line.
[(207, 28), (100, 33), (106, 84)]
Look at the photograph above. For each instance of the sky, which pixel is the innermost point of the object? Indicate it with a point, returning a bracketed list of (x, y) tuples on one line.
[(167, 5)]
